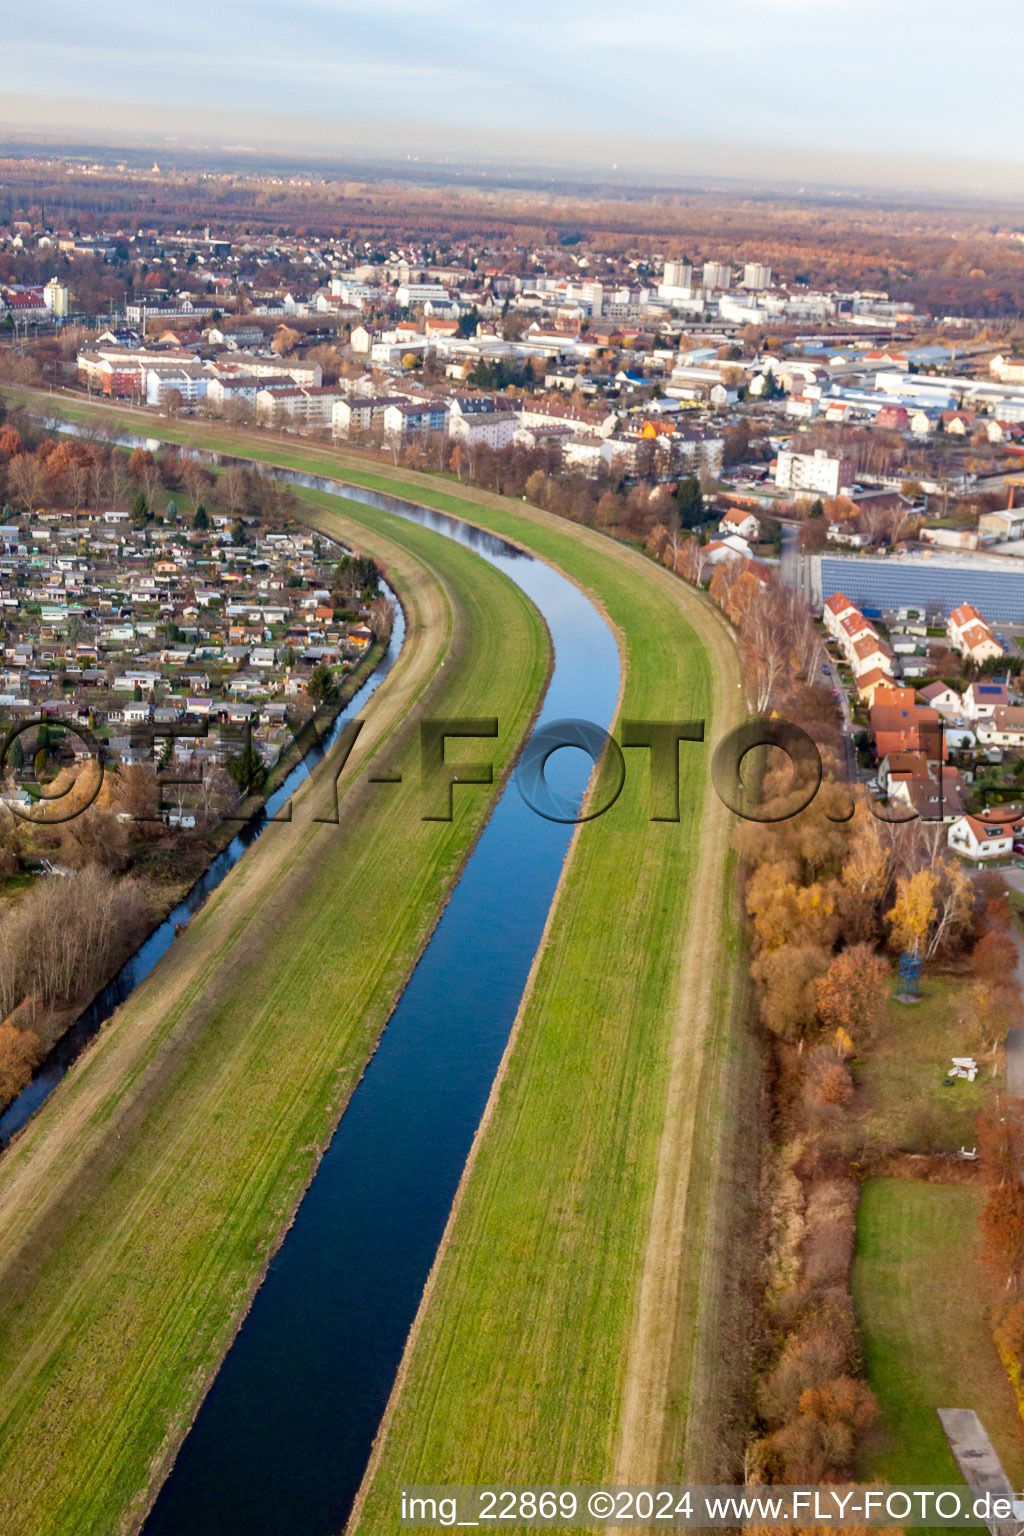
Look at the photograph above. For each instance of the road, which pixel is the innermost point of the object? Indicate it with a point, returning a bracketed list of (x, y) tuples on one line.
[(795, 570), (844, 709), (792, 565)]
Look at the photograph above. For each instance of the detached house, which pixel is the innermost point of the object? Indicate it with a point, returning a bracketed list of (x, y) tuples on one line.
[(1004, 729), (981, 700), (738, 521), (943, 698), (984, 837)]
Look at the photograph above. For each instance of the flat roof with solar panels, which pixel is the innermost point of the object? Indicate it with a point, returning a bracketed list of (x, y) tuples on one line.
[(889, 584)]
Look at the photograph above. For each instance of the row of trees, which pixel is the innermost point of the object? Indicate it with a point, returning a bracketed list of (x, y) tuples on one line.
[(64, 938), (833, 896), (36, 470)]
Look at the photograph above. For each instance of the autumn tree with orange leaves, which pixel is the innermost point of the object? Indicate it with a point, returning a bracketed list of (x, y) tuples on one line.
[(853, 993)]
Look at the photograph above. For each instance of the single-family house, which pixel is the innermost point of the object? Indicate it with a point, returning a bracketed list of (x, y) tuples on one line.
[(989, 836)]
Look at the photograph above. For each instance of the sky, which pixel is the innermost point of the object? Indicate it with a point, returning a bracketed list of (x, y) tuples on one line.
[(849, 89)]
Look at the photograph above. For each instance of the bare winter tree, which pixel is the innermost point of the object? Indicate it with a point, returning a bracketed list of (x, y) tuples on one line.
[(64, 939), (382, 618)]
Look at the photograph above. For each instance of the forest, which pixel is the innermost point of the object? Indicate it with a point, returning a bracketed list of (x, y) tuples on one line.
[(946, 257)]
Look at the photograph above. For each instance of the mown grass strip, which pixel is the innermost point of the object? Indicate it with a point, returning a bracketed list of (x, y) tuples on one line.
[(919, 1289), (138, 1209)]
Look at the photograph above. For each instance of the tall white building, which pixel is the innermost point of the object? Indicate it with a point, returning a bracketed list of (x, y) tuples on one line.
[(812, 474), (678, 274), (756, 277), (717, 274), (55, 297)]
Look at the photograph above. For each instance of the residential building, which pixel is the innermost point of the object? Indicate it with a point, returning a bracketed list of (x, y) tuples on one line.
[(943, 698), (314, 405), (834, 610), (737, 520), (1005, 728), (984, 837), (1009, 369), (970, 635), (717, 274), (56, 298), (486, 419), (415, 416), (813, 474), (677, 274), (360, 414)]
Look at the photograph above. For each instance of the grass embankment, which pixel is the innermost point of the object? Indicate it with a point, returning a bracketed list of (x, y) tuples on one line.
[(560, 1340), (139, 1208), (917, 1278), (579, 1321)]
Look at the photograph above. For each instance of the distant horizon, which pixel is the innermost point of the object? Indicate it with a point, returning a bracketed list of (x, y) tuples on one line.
[(710, 168), (842, 93)]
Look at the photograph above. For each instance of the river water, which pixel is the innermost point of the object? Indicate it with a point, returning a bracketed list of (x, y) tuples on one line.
[(283, 1437)]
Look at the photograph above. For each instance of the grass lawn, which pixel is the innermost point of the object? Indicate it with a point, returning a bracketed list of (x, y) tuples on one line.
[(574, 1324), (12, 886), (139, 1207), (920, 1291), (902, 1102)]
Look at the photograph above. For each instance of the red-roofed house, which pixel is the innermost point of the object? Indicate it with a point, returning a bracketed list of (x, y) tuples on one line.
[(872, 685), (835, 609), (900, 729), (978, 838), (736, 520), (896, 698), (868, 653)]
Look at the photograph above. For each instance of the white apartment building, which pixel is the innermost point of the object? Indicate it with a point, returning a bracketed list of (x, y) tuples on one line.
[(415, 416), (742, 311), (474, 421), (189, 380), (678, 274), (717, 274), (315, 405), (408, 294), (55, 297), (756, 277), (292, 370), (1009, 369), (812, 474)]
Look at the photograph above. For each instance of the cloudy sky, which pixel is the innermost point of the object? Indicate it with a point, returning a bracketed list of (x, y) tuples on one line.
[(855, 87)]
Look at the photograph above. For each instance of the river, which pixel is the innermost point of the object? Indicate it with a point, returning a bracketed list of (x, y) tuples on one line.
[(283, 1437)]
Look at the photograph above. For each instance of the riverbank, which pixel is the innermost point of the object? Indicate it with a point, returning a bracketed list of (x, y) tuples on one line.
[(199, 1117), (588, 1188), (665, 1051)]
